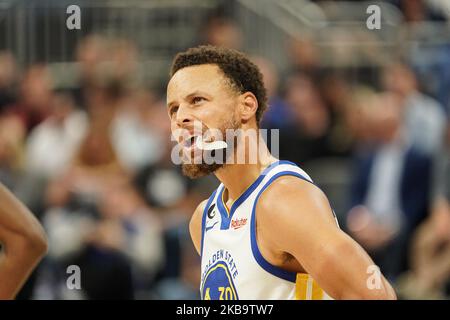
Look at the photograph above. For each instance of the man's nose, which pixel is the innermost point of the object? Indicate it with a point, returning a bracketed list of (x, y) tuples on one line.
[(183, 116)]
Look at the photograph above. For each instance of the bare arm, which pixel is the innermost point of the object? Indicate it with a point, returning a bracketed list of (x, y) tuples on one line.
[(303, 226), (23, 244), (195, 226)]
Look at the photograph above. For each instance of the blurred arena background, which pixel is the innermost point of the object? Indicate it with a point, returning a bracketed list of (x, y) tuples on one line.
[(85, 138)]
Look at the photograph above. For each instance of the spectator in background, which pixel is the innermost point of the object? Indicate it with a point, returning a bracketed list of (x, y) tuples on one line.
[(141, 238), (429, 275), (278, 114), (390, 192), (416, 11), (12, 133), (34, 103), (304, 56), (101, 60), (137, 133), (91, 52), (309, 138), (8, 80), (432, 68), (335, 91), (360, 117), (221, 31), (122, 62), (12, 136), (423, 117), (51, 145), (97, 161)]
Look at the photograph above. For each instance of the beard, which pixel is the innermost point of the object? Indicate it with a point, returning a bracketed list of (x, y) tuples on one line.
[(195, 171)]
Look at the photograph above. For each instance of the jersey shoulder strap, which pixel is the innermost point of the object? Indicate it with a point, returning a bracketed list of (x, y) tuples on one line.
[(284, 168)]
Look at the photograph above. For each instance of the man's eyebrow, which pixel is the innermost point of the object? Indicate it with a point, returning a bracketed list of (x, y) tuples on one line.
[(169, 104), (190, 95), (196, 93)]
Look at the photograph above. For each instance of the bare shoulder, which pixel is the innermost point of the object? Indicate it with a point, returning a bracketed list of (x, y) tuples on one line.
[(290, 197), (195, 225)]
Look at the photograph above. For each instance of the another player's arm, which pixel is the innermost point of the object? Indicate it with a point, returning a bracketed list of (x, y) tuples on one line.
[(23, 244), (195, 225), (303, 226)]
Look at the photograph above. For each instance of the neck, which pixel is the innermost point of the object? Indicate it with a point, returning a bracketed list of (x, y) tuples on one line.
[(238, 177)]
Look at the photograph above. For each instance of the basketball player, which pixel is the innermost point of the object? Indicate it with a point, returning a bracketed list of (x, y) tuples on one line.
[(267, 232), (23, 244)]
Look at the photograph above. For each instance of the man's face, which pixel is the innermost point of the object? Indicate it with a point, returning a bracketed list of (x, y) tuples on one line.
[(201, 95)]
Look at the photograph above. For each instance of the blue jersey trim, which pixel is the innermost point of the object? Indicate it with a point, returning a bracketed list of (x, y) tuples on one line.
[(205, 210), (226, 219), (274, 270)]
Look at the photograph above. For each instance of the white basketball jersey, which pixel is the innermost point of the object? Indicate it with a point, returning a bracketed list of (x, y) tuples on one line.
[(232, 266)]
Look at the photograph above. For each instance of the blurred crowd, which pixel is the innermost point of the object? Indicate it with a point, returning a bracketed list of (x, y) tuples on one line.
[(93, 163)]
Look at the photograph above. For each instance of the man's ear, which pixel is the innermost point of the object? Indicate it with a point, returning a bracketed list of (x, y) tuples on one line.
[(248, 106)]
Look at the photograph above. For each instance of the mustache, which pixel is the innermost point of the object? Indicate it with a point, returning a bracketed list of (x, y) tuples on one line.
[(203, 136)]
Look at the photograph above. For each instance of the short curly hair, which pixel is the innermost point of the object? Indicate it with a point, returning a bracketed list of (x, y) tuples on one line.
[(243, 74)]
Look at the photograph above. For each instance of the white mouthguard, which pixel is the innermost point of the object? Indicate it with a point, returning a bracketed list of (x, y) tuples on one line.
[(209, 146)]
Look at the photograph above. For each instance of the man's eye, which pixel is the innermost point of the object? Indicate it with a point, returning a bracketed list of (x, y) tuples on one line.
[(173, 110), (197, 99)]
